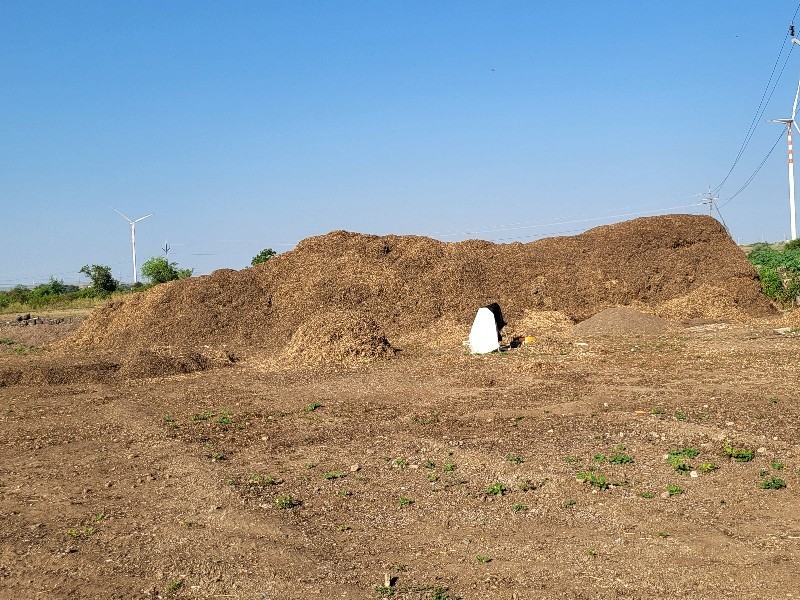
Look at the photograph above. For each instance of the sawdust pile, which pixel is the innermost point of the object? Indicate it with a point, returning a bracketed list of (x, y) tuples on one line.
[(623, 321), (703, 302), (411, 284), (341, 337)]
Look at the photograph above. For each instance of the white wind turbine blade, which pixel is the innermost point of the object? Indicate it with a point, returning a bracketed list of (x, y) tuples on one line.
[(796, 127), (123, 216), (794, 106), (144, 217)]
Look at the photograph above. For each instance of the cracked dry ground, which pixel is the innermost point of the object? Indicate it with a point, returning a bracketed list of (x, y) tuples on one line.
[(448, 475)]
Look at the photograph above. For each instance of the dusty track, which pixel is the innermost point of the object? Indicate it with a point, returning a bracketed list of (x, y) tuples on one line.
[(180, 503)]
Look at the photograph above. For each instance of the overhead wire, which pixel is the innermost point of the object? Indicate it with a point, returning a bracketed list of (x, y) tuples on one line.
[(753, 176), (762, 106)]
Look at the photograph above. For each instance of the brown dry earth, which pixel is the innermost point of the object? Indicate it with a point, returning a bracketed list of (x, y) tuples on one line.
[(170, 487)]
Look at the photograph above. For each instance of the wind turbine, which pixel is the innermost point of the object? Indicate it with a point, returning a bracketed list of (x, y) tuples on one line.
[(789, 122), (133, 239)]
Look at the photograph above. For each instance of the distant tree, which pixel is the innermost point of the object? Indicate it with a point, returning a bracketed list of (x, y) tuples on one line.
[(100, 275), (159, 270), (263, 256)]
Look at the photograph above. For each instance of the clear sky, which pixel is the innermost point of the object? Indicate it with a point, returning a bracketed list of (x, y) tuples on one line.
[(252, 124)]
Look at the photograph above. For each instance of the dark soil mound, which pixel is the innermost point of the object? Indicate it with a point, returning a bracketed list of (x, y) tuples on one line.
[(623, 321), (408, 283)]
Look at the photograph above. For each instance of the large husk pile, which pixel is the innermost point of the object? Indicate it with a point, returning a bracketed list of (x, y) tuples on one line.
[(408, 285)]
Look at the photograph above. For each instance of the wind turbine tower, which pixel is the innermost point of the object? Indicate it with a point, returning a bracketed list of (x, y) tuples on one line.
[(133, 239), (789, 122)]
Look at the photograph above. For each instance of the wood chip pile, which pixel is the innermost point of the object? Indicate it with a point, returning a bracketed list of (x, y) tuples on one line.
[(401, 285)]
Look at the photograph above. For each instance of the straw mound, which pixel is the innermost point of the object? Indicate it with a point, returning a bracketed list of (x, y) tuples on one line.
[(623, 321), (341, 337), (705, 301), (408, 284)]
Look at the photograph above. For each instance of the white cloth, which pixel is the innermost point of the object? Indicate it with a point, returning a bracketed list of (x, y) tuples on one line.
[(483, 335)]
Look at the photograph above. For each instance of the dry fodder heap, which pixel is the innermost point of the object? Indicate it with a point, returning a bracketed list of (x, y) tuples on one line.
[(407, 284)]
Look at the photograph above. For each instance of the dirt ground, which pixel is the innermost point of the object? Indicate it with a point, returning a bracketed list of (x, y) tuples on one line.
[(434, 474)]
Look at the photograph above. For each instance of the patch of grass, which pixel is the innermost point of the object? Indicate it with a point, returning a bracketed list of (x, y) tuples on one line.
[(592, 552), (620, 459), (401, 463), (333, 475), (260, 480), (175, 586), (495, 489), (772, 483), (708, 467), (595, 479), (81, 534), (513, 458), (738, 454), (224, 418), (519, 507), (777, 465), (384, 591), (647, 495), (312, 406), (599, 458), (405, 501), (433, 478), (286, 502), (656, 410), (99, 517), (449, 467), (483, 559), (680, 415), (678, 459), (203, 416), (674, 490)]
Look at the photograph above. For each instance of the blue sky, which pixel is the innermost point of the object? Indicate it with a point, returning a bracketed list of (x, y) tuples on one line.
[(246, 125)]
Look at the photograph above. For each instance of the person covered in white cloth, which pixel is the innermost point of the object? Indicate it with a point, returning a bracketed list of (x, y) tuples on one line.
[(485, 335)]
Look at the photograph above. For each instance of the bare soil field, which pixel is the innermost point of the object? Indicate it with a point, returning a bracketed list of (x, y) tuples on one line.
[(629, 455)]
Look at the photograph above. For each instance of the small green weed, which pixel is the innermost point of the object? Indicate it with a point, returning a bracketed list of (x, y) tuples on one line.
[(777, 465), (83, 534), (647, 495), (99, 517), (663, 534), (344, 527), (772, 483), (519, 507), (620, 459), (449, 467), (680, 415), (312, 406), (495, 489), (674, 490), (257, 479), (656, 410), (708, 467), (405, 501), (286, 502), (175, 586), (333, 475), (595, 479), (384, 591), (433, 478), (203, 416), (571, 459), (738, 454), (569, 503), (513, 458), (483, 559), (429, 464), (401, 463)]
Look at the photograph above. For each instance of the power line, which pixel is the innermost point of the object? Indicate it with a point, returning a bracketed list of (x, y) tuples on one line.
[(762, 105), (753, 176)]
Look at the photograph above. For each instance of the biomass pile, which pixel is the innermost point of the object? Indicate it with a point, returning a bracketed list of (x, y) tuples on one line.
[(409, 284), (623, 321)]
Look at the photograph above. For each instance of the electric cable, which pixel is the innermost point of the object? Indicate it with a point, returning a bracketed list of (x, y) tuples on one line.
[(753, 176)]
